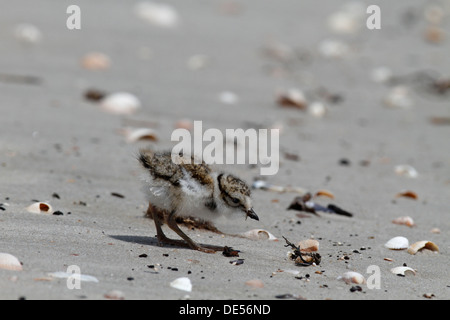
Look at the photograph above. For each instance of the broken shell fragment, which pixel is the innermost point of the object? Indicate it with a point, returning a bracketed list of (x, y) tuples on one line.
[(140, 134), (423, 245), (352, 277), (9, 262), (158, 14), (292, 98), (255, 283), (406, 170), (397, 243), (399, 97), (403, 271), (259, 234), (120, 103), (324, 193), (40, 207), (309, 245), (182, 283), (407, 194), (407, 221), (96, 61)]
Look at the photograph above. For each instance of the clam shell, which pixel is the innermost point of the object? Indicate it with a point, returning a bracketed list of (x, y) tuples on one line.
[(397, 243), (120, 103), (309, 245), (9, 262), (66, 275), (352, 277), (40, 207), (407, 221), (259, 234), (182, 283), (403, 271), (423, 245)]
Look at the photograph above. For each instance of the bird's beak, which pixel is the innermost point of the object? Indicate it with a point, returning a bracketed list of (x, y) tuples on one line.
[(251, 214)]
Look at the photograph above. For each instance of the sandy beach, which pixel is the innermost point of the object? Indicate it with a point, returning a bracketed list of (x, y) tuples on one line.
[(376, 103)]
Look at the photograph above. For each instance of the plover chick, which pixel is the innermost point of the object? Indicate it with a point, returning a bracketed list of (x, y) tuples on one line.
[(194, 190)]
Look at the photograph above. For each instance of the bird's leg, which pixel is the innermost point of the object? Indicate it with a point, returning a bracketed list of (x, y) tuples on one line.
[(153, 212), (191, 243)]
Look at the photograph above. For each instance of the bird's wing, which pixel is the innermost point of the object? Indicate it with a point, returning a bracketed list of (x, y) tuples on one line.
[(192, 187)]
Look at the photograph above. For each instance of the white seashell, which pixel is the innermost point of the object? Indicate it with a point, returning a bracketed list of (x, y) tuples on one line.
[(397, 243), (259, 234), (10, 262), (292, 98), (158, 14), (406, 170), (228, 97), (423, 245), (399, 97), (96, 61), (317, 109), (329, 48), (28, 33), (182, 283), (81, 277), (120, 103), (352, 277), (381, 75), (403, 271), (435, 230), (309, 245), (140, 134), (40, 207), (407, 221)]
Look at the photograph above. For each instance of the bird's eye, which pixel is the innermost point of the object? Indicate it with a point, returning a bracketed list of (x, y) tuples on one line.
[(235, 200)]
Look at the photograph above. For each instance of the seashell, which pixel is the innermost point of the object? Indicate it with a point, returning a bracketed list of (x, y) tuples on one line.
[(352, 277), (423, 245), (255, 283), (182, 283), (184, 124), (317, 109), (403, 271), (406, 170), (28, 33), (324, 193), (158, 14), (309, 245), (407, 194), (397, 243), (292, 98), (81, 277), (96, 61), (435, 230), (381, 75), (228, 97), (10, 262), (120, 103), (40, 207), (399, 97), (329, 48), (115, 295), (407, 221), (140, 134), (259, 234)]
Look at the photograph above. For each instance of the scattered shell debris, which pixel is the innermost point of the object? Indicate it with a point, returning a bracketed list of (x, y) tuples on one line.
[(263, 185), (352, 277), (403, 271), (294, 98), (183, 283), (121, 103), (304, 203), (423, 246), (406, 220), (259, 234), (397, 243), (308, 245), (9, 262), (407, 194), (302, 258), (40, 207), (139, 134)]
